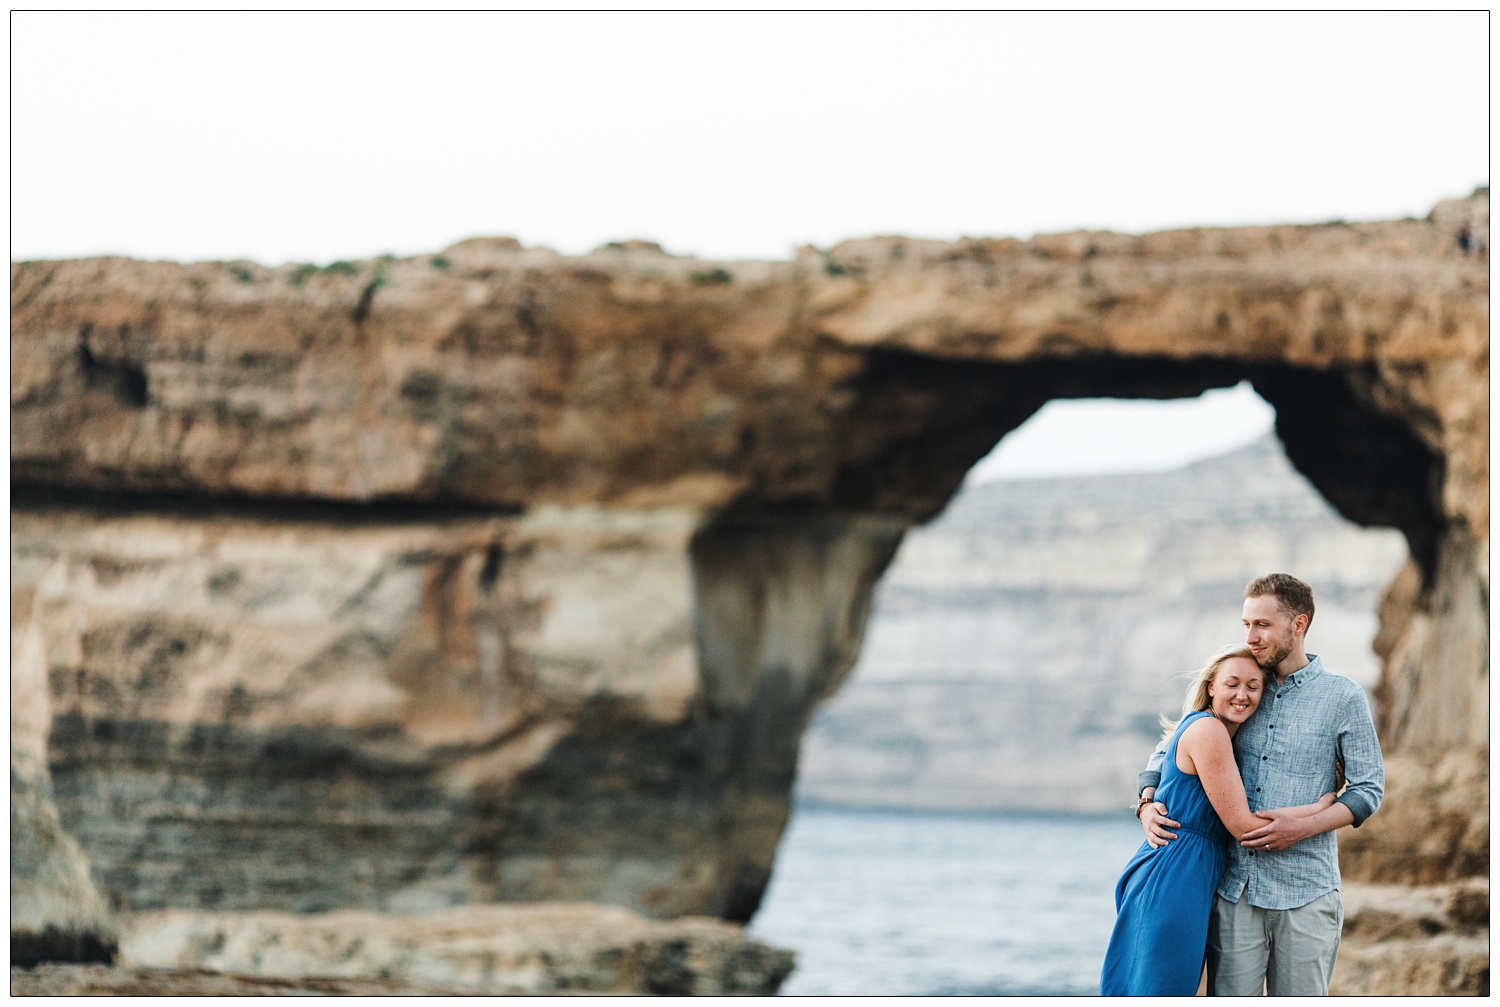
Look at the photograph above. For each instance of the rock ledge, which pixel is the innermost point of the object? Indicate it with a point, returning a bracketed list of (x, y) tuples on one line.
[(543, 948)]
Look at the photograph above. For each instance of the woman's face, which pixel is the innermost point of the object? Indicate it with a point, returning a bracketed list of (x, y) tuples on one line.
[(1235, 691)]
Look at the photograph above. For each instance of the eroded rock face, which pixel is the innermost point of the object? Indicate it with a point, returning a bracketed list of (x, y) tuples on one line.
[(1424, 941), (56, 911), (314, 711), (869, 378), (1434, 825), (537, 949), (524, 572), (533, 949), (67, 979)]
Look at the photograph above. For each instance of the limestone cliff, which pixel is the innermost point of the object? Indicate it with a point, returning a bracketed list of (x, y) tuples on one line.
[(498, 574), (312, 711), (56, 911)]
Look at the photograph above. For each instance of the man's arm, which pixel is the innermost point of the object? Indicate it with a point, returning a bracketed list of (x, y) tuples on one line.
[(1154, 815), (1359, 751), (1150, 777)]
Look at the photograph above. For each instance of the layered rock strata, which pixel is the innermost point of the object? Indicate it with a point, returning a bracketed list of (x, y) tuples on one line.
[(709, 464), (538, 949), (56, 911), (528, 949), (314, 711), (1430, 940), (66, 979)]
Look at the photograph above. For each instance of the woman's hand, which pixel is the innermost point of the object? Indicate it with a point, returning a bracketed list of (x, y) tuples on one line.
[(1286, 826), (1279, 831)]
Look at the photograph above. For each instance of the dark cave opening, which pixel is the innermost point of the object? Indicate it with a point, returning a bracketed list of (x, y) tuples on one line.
[(920, 423)]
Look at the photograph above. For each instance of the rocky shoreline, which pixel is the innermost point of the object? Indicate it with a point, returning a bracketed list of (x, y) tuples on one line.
[(510, 950)]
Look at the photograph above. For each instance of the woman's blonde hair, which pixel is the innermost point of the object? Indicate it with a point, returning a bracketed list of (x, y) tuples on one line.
[(1197, 697)]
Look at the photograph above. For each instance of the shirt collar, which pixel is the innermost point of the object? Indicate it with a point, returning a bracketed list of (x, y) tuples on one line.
[(1309, 671)]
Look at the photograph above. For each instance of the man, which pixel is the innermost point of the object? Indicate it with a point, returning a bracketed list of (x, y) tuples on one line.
[(1277, 916)]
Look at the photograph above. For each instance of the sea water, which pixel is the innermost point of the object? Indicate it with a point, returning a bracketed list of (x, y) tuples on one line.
[(908, 903)]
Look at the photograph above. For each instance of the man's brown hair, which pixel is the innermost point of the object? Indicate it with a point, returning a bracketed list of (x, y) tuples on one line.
[(1292, 596)]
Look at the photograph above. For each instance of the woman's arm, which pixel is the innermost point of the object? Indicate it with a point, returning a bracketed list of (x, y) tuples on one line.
[(1306, 810), (1208, 751)]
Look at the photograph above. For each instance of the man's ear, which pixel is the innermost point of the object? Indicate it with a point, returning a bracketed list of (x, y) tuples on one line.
[(1300, 623)]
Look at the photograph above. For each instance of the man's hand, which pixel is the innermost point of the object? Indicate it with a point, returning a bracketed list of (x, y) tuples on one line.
[(1156, 823), (1280, 831)]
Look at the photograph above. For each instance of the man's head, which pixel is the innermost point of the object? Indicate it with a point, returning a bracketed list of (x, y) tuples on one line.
[(1278, 609)]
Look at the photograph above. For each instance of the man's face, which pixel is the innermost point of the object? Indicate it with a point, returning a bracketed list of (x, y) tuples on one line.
[(1268, 631)]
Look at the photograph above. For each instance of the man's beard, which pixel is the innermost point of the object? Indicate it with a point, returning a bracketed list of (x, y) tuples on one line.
[(1274, 655)]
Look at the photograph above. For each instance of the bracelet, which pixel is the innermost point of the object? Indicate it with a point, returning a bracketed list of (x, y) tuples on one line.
[(1141, 803)]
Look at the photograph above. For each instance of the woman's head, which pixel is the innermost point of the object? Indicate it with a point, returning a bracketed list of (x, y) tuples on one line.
[(1229, 685)]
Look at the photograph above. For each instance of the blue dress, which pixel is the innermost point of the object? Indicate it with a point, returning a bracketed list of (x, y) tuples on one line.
[(1164, 897)]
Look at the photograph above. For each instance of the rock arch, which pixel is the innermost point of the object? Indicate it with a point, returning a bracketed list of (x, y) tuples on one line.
[(526, 571)]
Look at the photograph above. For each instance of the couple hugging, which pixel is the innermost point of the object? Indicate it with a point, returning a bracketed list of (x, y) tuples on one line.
[(1240, 800)]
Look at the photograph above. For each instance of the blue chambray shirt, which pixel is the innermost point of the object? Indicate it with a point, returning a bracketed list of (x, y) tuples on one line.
[(1286, 752)]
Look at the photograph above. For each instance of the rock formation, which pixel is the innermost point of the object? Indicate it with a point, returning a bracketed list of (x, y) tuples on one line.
[(65, 979), (531, 949), (503, 575), (536, 949), (1431, 940), (1039, 612), (56, 912)]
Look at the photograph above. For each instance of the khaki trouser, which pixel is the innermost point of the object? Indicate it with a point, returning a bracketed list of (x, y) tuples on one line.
[(1279, 952)]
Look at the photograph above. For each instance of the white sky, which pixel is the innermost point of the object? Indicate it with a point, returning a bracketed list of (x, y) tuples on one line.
[(1070, 436), (313, 137)]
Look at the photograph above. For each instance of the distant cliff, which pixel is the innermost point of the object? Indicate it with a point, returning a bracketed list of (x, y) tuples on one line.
[(1023, 644)]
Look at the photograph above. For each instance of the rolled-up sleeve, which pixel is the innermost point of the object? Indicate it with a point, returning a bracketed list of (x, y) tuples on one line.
[(1359, 751), (1151, 775)]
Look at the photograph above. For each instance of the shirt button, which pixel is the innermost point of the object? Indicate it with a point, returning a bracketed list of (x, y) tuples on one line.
[(1257, 790), (1273, 727), (1263, 758)]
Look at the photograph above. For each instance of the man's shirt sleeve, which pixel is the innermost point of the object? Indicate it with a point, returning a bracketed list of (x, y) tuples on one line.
[(1359, 750), (1151, 775)]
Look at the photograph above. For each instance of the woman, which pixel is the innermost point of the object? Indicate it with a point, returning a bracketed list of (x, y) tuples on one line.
[(1164, 896)]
